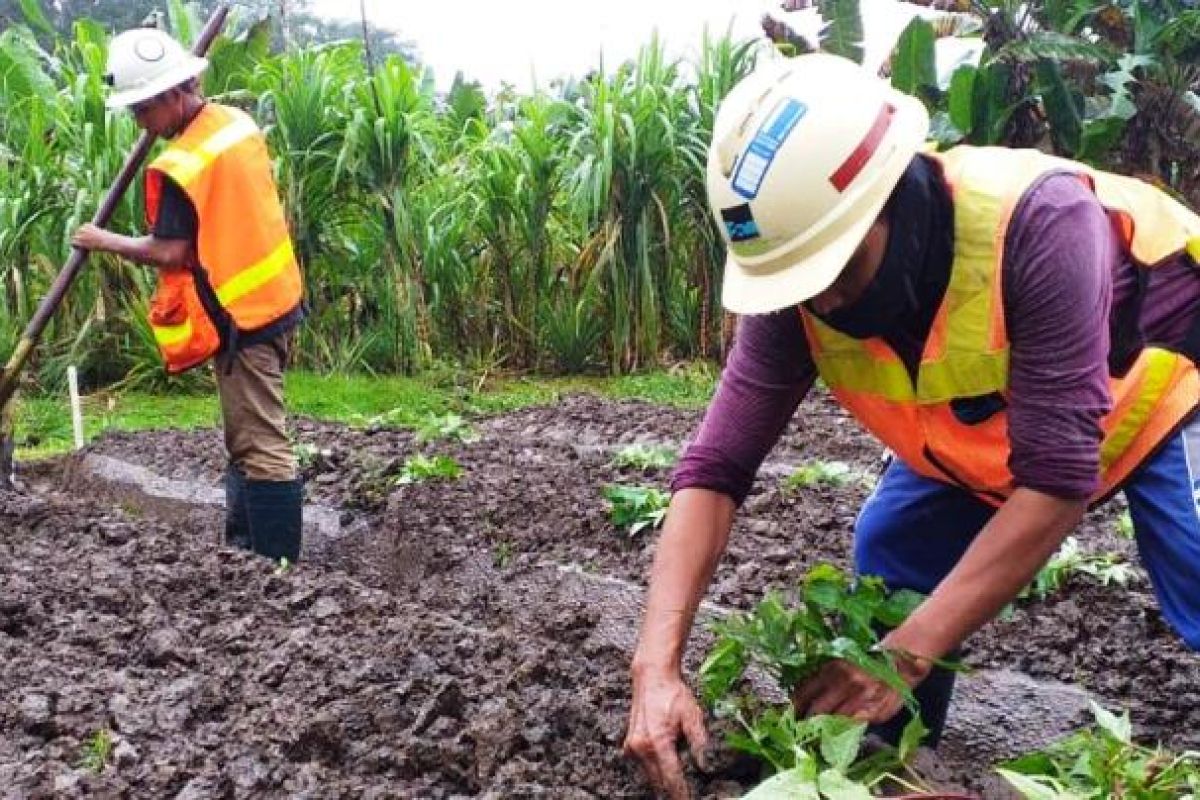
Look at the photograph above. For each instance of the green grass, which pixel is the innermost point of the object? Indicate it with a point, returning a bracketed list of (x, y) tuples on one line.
[(43, 423)]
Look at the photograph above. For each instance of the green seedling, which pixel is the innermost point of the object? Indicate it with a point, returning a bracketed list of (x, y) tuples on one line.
[(445, 426), (420, 468), (821, 473), (308, 454), (502, 554), (1107, 569), (97, 751), (283, 567), (1125, 526), (645, 456), (790, 638), (1103, 762), (636, 508)]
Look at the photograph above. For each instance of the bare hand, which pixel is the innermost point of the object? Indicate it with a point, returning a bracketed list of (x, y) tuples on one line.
[(663, 708), (90, 237), (842, 688)]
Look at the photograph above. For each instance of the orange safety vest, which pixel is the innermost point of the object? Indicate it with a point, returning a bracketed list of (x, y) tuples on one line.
[(966, 354), (243, 249)]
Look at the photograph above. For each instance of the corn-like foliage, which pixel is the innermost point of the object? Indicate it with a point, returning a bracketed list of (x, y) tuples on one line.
[(562, 230)]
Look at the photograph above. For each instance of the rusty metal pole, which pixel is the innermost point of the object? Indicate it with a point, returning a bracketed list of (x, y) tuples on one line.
[(66, 276)]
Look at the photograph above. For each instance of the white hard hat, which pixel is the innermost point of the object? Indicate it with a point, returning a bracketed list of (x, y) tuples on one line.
[(805, 153), (145, 62)]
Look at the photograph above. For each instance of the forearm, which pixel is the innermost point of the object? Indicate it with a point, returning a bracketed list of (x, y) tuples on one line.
[(693, 540), (1002, 560), (146, 250)]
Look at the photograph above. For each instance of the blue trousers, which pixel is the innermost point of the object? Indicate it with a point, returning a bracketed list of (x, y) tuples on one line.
[(913, 530)]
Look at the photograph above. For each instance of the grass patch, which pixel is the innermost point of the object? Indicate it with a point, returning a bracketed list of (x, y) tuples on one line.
[(43, 422)]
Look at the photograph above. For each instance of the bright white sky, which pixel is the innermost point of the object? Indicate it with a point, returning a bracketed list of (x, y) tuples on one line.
[(517, 40)]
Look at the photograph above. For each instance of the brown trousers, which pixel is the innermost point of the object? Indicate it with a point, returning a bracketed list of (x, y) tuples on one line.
[(251, 392)]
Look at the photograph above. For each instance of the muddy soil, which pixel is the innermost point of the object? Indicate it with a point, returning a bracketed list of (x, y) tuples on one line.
[(455, 637)]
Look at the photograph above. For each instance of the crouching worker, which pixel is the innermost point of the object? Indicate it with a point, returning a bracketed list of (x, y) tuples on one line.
[(229, 286), (1020, 330)]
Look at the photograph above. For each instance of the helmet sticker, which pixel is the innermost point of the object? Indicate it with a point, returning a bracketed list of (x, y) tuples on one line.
[(739, 223), (756, 161), (149, 49), (858, 159)]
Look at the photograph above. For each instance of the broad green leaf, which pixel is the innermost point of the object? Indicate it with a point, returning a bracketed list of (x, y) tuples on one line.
[(1064, 107), (914, 69), (841, 738), (842, 34), (22, 75), (914, 733), (1120, 728), (835, 785), (961, 100), (790, 785), (1034, 789)]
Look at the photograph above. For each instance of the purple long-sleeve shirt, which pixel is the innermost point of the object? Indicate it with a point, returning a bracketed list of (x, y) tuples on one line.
[(1063, 276)]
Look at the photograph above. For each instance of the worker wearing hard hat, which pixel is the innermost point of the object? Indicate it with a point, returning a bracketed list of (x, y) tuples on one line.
[(986, 313), (229, 286)]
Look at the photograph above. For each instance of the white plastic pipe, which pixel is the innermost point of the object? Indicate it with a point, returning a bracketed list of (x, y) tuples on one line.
[(76, 411)]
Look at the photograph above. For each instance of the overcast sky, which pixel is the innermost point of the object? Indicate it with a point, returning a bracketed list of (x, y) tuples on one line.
[(513, 40)]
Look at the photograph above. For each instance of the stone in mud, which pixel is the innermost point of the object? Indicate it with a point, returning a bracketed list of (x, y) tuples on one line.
[(36, 712)]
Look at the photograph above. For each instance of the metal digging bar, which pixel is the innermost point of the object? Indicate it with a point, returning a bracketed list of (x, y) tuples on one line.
[(62, 284)]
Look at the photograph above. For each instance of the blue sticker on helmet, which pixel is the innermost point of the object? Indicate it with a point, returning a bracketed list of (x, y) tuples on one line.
[(739, 223), (754, 163)]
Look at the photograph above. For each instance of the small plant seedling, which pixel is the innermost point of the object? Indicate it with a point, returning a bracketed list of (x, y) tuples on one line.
[(1107, 569), (1103, 762), (646, 456), (502, 554), (97, 751), (445, 426), (420, 468), (820, 473), (308, 454), (1125, 526), (283, 567), (636, 508)]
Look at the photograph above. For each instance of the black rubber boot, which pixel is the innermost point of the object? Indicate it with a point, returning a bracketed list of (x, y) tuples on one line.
[(237, 526), (273, 509)]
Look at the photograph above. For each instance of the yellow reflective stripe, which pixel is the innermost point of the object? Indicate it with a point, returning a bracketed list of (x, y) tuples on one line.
[(184, 165), (256, 275), (172, 335), (1154, 383), (866, 375), (1193, 248), (963, 375)]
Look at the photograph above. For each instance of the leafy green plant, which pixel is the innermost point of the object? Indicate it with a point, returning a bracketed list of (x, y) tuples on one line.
[(283, 567), (1107, 569), (829, 618), (420, 468), (307, 455), (645, 456), (636, 508), (1103, 762), (97, 751), (821, 473), (1125, 526), (445, 426), (502, 554)]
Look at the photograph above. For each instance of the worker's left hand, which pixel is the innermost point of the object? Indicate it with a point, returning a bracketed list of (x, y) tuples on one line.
[(842, 688), (90, 237)]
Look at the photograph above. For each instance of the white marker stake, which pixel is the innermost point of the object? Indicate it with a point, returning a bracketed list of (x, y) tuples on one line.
[(76, 412)]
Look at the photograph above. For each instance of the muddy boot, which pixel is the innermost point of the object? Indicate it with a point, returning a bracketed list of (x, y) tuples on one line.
[(237, 526), (273, 510)]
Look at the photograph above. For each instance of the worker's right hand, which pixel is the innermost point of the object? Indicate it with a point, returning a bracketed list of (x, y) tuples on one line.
[(663, 708)]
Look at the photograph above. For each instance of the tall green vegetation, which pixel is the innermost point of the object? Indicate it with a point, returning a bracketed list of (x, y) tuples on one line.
[(563, 230)]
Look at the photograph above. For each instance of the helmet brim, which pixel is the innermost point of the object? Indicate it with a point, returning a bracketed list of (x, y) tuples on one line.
[(754, 292), (193, 67)]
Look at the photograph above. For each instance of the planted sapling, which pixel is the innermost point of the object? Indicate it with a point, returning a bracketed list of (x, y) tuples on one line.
[(636, 508), (97, 751), (1103, 762), (445, 426), (1107, 569), (420, 468), (645, 457), (821, 473)]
